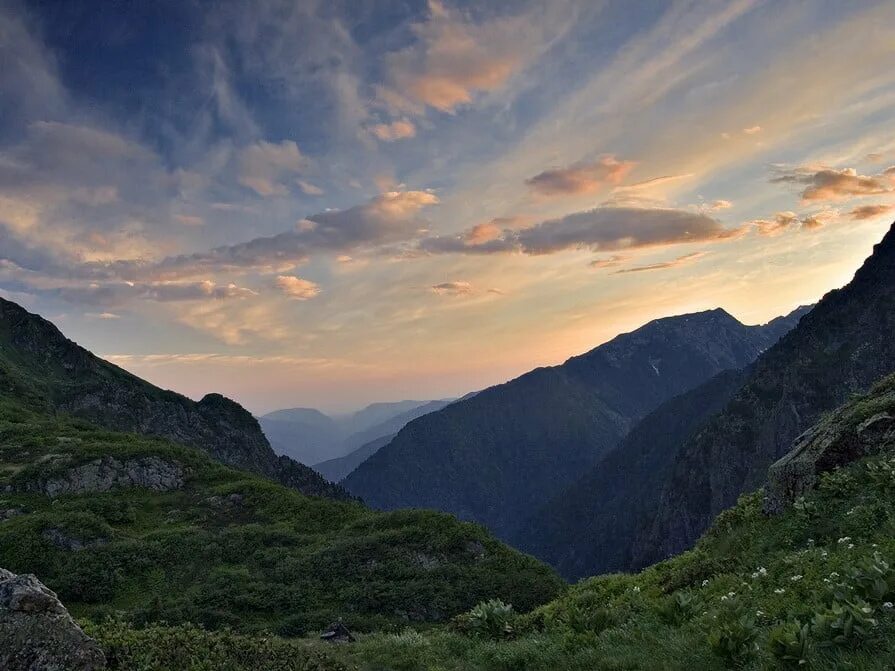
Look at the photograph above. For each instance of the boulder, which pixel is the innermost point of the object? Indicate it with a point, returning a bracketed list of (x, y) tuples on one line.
[(108, 473), (37, 633), (864, 427)]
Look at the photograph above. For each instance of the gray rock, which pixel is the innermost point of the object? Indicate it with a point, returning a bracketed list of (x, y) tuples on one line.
[(845, 436), (108, 473), (62, 540), (37, 633)]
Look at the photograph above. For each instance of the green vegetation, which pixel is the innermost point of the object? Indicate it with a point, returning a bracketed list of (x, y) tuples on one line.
[(813, 587), (230, 549)]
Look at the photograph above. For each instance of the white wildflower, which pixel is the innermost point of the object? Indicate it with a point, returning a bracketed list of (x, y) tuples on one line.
[(796, 578), (779, 590)]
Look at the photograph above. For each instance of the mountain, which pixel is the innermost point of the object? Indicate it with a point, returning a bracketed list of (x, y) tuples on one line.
[(497, 457), (809, 587), (128, 522), (371, 440), (310, 436), (336, 470), (841, 347), (305, 434), (61, 377), (589, 527)]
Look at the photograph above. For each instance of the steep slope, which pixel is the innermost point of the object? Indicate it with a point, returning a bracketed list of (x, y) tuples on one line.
[(842, 346), (496, 457), (811, 587), (589, 528), (156, 531), (57, 375), (336, 470)]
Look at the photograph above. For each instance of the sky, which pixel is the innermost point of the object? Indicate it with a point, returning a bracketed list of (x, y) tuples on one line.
[(332, 203)]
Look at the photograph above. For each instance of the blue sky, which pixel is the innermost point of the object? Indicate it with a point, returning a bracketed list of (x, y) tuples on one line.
[(330, 203)]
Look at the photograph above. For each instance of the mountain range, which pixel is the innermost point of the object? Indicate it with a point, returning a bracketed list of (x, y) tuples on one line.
[(310, 436), (497, 457)]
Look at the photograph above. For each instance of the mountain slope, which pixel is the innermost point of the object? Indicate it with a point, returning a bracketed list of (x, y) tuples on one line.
[(496, 457), (336, 470), (155, 531), (589, 528), (811, 587), (842, 346), (58, 376)]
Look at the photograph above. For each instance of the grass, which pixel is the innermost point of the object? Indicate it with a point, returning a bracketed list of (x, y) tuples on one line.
[(232, 550)]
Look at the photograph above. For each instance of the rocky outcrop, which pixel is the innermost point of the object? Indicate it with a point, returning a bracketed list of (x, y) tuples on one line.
[(37, 633), (859, 429), (108, 473)]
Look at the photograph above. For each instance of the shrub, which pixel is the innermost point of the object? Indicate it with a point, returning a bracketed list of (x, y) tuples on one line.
[(492, 619), (790, 643)]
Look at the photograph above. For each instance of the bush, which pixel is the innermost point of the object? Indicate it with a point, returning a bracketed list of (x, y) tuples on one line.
[(790, 643), (492, 619)]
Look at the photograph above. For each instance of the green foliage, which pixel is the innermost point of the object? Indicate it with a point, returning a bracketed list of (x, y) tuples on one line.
[(789, 644), (733, 634), (491, 619), (230, 549), (187, 648)]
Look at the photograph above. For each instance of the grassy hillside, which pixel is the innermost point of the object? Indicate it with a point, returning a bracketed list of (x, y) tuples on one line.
[(812, 587), (220, 547)]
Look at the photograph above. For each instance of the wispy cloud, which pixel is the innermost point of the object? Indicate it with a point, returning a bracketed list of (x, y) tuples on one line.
[(674, 263)]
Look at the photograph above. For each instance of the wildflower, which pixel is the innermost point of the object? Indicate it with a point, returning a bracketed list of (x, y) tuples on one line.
[(723, 597), (834, 574), (636, 589), (705, 582), (844, 539), (851, 546), (779, 590), (796, 578), (731, 594), (888, 605), (759, 613)]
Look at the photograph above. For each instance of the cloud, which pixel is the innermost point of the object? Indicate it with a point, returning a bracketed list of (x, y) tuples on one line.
[(608, 262), (453, 58), (600, 229), (456, 288), (716, 205), (871, 211), (772, 227), (396, 130), (615, 228), (752, 130), (102, 315), (674, 263), (308, 188), (830, 184), (118, 293), (263, 164), (297, 288), (783, 221), (482, 233), (189, 220), (580, 178), (387, 218)]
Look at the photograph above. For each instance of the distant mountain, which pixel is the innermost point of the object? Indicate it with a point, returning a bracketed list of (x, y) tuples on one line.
[(58, 376), (589, 528), (336, 470), (497, 457), (842, 346), (310, 436)]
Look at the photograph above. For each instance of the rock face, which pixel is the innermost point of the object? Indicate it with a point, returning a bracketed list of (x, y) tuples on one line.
[(41, 365), (108, 473), (844, 345), (857, 430), (37, 633), (497, 457)]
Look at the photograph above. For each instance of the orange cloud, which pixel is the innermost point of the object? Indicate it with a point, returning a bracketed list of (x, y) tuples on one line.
[(781, 222), (454, 58), (482, 233), (580, 178), (262, 164), (455, 288), (396, 130), (832, 184), (674, 263), (871, 211), (297, 288)]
